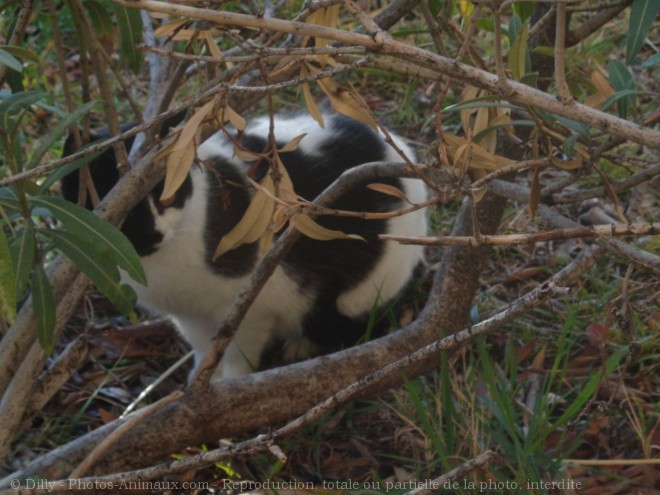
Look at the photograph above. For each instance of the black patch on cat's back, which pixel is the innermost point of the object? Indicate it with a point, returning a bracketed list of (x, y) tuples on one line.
[(228, 198)]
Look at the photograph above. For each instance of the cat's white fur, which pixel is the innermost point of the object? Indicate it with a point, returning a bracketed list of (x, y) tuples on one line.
[(198, 299)]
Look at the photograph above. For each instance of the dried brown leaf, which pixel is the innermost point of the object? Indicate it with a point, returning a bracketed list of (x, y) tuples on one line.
[(535, 193), (313, 230), (311, 105), (255, 221), (293, 144), (170, 28), (179, 162), (347, 102), (390, 191)]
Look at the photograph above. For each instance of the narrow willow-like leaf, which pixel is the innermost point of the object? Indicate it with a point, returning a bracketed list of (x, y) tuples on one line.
[(101, 20), (103, 238), (518, 54), (43, 303), (310, 104), (589, 388), (130, 36), (16, 102), (20, 53), (24, 251), (313, 230), (293, 144), (56, 132), (7, 282), (255, 220), (100, 270), (535, 194), (642, 15), (621, 79), (10, 61), (389, 190)]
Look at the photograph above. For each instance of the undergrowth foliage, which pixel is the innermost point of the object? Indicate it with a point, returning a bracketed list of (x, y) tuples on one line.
[(558, 98)]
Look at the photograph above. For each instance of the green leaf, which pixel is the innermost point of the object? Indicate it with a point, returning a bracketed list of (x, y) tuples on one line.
[(16, 102), (642, 15), (100, 270), (624, 93), (621, 79), (590, 387), (21, 53), (10, 61), (64, 171), (43, 304), (7, 282), (518, 54), (8, 199), (104, 239), (523, 10), (652, 62), (130, 36), (24, 252), (582, 129), (569, 145), (100, 18), (56, 132)]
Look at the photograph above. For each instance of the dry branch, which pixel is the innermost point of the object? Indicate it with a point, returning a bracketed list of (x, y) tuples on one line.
[(385, 44), (608, 230), (631, 253), (381, 377)]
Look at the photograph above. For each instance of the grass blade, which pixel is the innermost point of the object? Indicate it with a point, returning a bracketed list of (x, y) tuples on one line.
[(44, 308)]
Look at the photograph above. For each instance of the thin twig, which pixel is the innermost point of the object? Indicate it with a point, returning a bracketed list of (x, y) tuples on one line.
[(445, 482), (645, 175), (521, 194), (521, 93), (560, 52), (265, 442), (606, 230)]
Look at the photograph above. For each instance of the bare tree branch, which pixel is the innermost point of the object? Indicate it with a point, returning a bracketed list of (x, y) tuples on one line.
[(383, 43)]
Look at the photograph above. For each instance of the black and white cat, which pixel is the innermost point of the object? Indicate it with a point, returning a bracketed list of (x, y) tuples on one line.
[(322, 293)]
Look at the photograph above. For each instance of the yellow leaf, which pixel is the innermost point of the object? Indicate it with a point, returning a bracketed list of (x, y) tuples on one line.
[(602, 84), (190, 129), (466, 8), (311, 105), (567, 164), (236, 120), (213, 47), (179, 162), (254, 223), (518, 54), (603, 90), (313, 230), (247, 156), (479, 156), (347, 102), (285, 189), (170, 28), (390, 191), (293, 144), (481, 121), (185, 34), (329, 17), (164, 151)]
